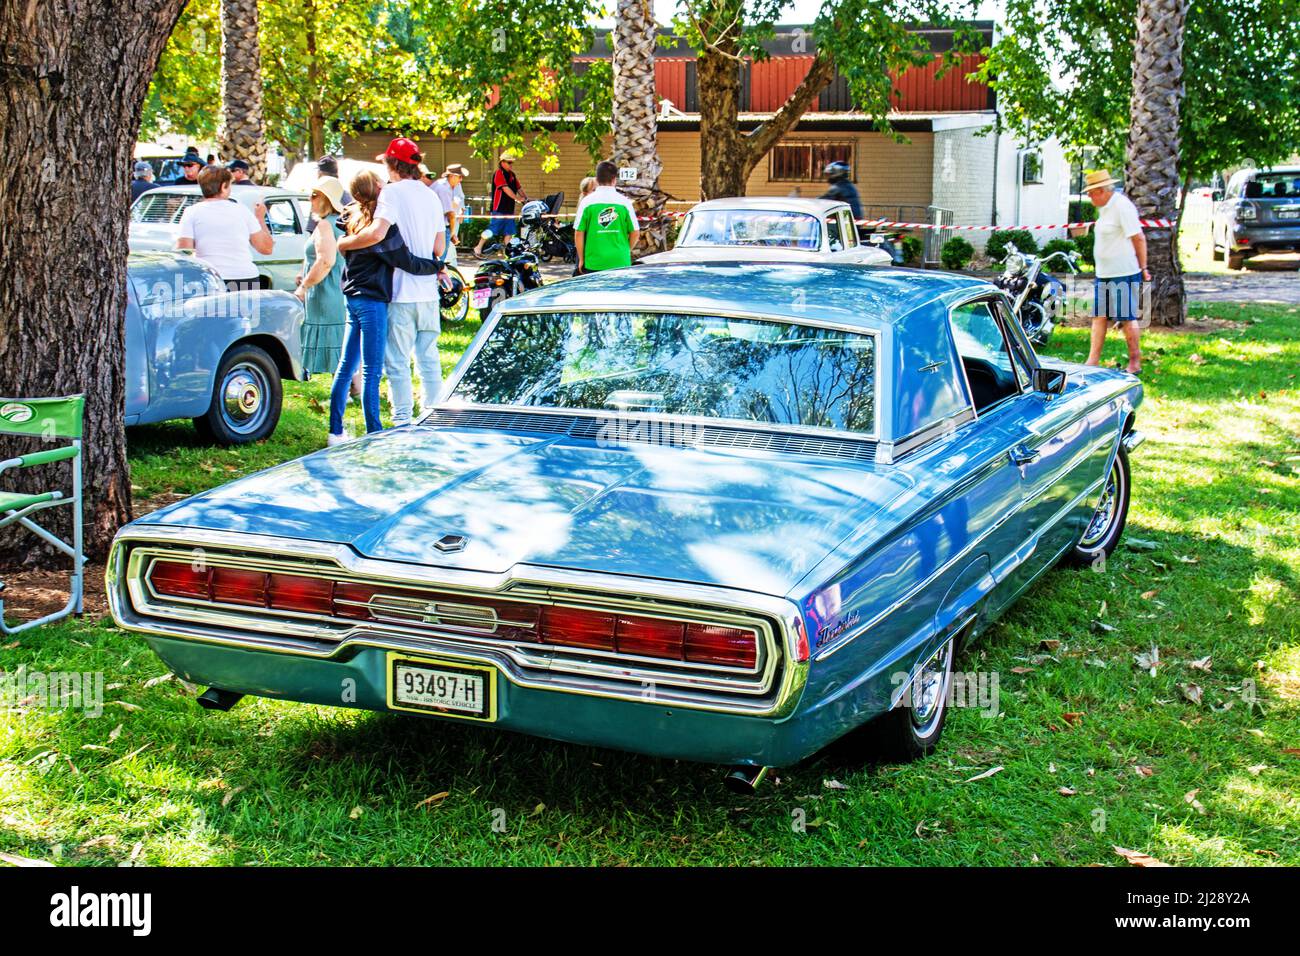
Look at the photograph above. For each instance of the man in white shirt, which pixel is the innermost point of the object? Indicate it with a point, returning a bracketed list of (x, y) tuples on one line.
[(414, 318), (445, 188), (1120, 255), (221, 231)]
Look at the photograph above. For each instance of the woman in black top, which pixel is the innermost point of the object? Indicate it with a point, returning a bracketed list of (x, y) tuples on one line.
[(367, 290)]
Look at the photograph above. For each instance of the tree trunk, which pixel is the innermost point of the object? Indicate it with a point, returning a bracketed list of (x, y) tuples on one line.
[(243, 128), (73, 76), (635, 127), (316, 119), (728, 156), (1151, 170)]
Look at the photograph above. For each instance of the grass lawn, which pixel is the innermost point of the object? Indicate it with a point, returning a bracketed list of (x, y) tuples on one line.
[(1195, 765)]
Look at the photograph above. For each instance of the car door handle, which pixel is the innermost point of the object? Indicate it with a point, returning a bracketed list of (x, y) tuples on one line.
[(1020, 455)]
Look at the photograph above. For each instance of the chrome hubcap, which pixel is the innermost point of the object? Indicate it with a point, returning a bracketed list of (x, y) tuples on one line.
[(1104, 516), (243, 398), (929, 690)]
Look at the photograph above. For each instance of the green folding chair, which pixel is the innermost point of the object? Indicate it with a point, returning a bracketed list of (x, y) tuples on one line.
[(52, 419)]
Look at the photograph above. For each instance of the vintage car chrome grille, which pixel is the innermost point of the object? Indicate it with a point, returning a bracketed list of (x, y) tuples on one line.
[(267, 598), (707, 436)]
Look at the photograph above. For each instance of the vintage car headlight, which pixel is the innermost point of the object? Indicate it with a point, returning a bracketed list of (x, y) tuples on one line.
[(1015, 264), (1247, 211)]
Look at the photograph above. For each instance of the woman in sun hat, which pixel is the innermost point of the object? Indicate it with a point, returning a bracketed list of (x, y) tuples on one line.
[(320, 288), (1120, 254)]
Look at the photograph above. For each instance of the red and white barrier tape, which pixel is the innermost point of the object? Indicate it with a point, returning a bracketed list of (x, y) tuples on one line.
[(872, 223)]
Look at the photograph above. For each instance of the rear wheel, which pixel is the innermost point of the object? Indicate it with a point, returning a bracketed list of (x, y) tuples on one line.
[(1106, 525), (912, 729), (246, 398), (457, 311)]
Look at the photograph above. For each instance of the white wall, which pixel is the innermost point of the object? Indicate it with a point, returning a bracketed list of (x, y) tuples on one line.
[(1029, 205)]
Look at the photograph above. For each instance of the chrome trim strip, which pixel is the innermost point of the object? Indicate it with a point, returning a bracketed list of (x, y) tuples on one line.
[(849, 636), (610, 590), (511, 307)]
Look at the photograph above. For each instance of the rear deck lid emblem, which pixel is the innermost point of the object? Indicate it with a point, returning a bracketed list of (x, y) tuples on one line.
[(451, 542)]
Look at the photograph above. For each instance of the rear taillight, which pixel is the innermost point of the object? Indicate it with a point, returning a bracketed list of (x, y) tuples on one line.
[(583, 628), (649, 637)]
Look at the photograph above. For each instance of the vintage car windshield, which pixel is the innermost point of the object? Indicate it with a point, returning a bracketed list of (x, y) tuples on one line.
[(705, 366), (161, 207), (750, 227)]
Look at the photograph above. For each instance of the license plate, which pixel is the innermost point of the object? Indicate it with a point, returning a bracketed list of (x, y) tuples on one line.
[(1288, 214), (480, 298), (446, 688)]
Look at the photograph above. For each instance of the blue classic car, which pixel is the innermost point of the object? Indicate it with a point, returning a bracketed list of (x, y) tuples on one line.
[(725, 513), (195, 350)]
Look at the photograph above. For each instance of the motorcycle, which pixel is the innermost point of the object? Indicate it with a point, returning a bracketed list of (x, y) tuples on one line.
[(547, 237), (1038, 297), (496, 280)]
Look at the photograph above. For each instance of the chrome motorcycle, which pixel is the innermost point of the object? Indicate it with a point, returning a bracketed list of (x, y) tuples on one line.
[(1037, 296)]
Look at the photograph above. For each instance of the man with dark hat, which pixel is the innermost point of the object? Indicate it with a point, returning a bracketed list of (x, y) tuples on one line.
[(141, 179), (239, 171), (191, 166)]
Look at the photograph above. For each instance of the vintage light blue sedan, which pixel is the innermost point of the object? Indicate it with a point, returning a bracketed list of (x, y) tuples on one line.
[(195, 350), (726, 513)]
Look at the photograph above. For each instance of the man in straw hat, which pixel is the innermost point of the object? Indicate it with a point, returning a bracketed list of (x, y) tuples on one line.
[(1120, 253)]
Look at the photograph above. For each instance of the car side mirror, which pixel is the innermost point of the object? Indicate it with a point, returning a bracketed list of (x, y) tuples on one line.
[(1217, 195), (1050, 381)]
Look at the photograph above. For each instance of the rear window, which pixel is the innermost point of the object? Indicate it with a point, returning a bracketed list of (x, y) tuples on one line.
[(701, 366), (155, 207)]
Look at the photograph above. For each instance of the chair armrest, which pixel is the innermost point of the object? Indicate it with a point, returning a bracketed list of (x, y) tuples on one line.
[(45, 457)]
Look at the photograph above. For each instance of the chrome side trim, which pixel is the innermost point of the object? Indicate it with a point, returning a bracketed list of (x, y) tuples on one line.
[(702, 691), (917, 588)]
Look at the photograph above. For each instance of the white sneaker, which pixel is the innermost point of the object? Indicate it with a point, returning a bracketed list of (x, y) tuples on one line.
[(336, 440)]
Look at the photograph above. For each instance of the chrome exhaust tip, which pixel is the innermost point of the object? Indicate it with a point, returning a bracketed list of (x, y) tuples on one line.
[(216, 699), (744, 781)]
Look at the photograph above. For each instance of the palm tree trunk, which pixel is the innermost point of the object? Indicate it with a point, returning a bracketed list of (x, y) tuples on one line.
[(1151, 170), (243, 129), (634, 126)]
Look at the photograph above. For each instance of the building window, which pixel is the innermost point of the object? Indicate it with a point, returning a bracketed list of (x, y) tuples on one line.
[(1031, 167), (804, 162)]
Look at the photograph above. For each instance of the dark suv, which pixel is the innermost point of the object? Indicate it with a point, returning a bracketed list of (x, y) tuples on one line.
[(1260, 212)]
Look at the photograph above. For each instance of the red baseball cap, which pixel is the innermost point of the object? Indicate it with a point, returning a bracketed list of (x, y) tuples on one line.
[(402, 149)]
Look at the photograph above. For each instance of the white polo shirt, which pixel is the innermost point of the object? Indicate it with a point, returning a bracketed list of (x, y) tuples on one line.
[(220, 229), (1112, 248), (414, 208)]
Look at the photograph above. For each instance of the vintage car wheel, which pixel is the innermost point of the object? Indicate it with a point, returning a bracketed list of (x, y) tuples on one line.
[(1107, 523), (912, 729), (246, 398)]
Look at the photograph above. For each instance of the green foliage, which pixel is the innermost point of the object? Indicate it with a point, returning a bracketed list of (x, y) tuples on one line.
[(1085, 244), (868, 39), (912, 248), (1059, 245), (996, 247), (185, 94), (956, 253), (1064, 68)]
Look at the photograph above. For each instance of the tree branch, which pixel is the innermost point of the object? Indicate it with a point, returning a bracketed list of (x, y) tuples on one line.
[(766, 135)]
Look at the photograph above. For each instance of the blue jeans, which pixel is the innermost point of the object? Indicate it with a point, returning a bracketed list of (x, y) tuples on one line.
[(363, 342), (1118, 299)]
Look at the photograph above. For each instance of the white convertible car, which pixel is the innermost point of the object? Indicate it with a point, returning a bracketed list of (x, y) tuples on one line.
[(156, 218), (762, 228)]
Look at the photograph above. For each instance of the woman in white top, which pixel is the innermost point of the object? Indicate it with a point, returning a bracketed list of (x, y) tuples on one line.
[(221, 231)]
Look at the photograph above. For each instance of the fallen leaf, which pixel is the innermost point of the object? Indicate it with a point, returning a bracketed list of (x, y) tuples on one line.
[(834, 785), (1066, 791), (225, 801), (356, 813), (1191, 692), (436, 798), (1022, 670), (155, 681), (537, 810), (1256, 769), (1073, 718), (985, 775), (1293, 751), (1202, 664), (115, 733), (1143, 771), (13, 860), (1190, 798), (1137, 858), (1047, 644), (1141, 544), (1103, 628), (1195, 358), (126, 706), (1148, 661), (1148, 595)]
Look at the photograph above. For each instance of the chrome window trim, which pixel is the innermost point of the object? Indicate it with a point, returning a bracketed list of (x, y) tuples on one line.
[(511, 307), (637, 594)]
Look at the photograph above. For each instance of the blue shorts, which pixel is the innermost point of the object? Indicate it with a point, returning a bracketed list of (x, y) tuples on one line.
[(1118, 299), (500, 227)]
